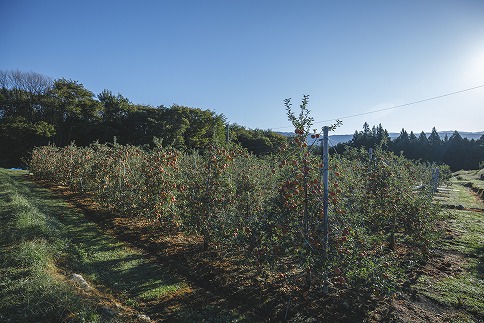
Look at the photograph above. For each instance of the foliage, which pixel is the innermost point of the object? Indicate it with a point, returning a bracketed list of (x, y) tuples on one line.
[(37, 111), (259, 142), (455, 151), (267, 208)]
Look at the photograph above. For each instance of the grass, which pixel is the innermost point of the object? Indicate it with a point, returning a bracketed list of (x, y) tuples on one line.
[(473, 176), (470, 227), (43, 240), (30, 244), (465, 289), (457, 194), (106, 261)]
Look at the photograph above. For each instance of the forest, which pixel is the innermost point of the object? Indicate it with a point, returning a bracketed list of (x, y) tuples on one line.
[(455, 151), (36, 110)]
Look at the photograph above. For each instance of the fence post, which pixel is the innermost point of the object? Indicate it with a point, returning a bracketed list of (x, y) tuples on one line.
[(325, 153), (435, 179), (228, 133), (325, 190)]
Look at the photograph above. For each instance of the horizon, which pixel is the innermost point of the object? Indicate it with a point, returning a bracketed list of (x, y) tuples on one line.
[(408, 65), (440, 132), (343, 138)]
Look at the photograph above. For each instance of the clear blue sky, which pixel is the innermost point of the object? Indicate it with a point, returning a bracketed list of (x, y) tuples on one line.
[(243, 58)]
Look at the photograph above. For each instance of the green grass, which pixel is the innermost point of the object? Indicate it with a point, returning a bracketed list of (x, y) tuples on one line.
[(470, 227), (43, 240), (463, 291), (30, 288), (106, 261), (457, 194), (472, 176)]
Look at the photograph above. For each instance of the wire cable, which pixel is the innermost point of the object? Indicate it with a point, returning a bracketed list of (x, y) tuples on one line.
[(394, 107), (380, 110)]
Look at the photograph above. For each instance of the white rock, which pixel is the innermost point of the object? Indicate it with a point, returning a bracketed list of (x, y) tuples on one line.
[(143, 317), (79, 280)]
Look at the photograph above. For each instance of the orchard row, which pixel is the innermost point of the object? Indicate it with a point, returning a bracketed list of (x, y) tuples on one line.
[(269, 209)]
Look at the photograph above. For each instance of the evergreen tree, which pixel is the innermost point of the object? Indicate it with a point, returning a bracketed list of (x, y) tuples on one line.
[(435, 144), (401, 143)]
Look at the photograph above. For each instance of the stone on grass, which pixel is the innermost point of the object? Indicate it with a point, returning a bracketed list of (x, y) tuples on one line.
[(80, 281), (143, 317)]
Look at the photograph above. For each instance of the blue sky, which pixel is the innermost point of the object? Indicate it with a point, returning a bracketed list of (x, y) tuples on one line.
[(243, 58)]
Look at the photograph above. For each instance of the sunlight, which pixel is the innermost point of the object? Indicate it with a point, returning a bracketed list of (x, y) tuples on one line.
[(475, 67)]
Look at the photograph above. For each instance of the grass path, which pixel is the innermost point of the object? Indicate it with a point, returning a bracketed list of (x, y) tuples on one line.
[(450, 288), (44, 241)]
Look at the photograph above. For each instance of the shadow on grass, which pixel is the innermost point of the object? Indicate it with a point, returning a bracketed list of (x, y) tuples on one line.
[(480, 262), (139, 278), (103, 258), (130, 275)]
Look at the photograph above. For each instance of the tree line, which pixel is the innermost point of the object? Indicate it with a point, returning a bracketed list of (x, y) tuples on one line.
[(455, 151), (36, 110)]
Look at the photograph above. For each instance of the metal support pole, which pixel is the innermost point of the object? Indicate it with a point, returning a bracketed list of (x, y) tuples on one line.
[(435, 179), (325, 190), (325, 153), (228, 133)]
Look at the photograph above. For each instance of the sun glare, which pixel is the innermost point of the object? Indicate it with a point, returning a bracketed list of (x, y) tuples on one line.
[(475, 68)]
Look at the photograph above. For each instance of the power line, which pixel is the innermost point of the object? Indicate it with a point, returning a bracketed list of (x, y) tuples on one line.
[(393, 107)]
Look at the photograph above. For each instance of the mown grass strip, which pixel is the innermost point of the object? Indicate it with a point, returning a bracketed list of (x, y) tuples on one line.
[(464, 290), (474, 176), (37, 233), (31, 289)]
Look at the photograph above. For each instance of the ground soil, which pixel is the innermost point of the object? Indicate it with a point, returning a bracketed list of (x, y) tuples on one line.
[(411, 306), (221, 279)]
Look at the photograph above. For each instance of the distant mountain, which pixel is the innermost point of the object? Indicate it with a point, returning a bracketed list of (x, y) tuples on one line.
[(336, 139), (464, 134), (333, 139)]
